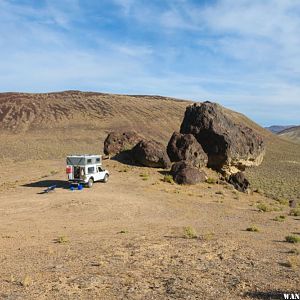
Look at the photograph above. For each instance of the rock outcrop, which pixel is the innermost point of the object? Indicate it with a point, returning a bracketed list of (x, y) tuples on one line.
[(151, 154), (239, 181), (117, 142), (230, 147), (186, 147), (184, 173)]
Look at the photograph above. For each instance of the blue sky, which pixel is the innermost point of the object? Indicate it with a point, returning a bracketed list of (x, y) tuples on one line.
[(243, 54)]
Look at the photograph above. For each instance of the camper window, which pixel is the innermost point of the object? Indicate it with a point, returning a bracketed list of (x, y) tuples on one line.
[(91, 170)]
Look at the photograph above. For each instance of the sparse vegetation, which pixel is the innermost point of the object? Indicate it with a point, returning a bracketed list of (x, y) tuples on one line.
[(190, 232), (280, 218), (144, 176), (277, 176), (61, 240), (295, 212), (253, 229), (208, 236), (292, 239), (168, 178), (211, 180), (282, 201), (27, 281), (293, 262), (263, 207), (123, 231)]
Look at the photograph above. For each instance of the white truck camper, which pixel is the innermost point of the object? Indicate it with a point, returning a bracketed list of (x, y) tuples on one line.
[(86, 169)]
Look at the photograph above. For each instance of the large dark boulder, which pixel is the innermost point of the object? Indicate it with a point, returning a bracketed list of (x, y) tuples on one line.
[(185, 147), (117, 142), (150, 153), (230, 147), (184, 173), (239, 181)]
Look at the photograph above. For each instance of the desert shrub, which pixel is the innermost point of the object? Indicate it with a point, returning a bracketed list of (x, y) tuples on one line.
[(144, 176), (295, 212), (168, 178), (293, 262), (292, 239), (211, 180), (263, 207), (208, 236), (190, 232), (61, 240), (252, 229), (279, 218), (282, 201), (27, 281)]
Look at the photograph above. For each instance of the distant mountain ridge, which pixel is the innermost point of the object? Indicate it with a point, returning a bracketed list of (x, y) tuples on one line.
[(278, 128)]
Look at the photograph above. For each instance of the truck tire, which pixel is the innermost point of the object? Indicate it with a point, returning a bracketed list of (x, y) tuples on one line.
[(105, 179), (90, 182)]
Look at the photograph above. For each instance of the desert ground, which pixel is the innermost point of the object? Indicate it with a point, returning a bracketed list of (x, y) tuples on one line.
[(137, 236)]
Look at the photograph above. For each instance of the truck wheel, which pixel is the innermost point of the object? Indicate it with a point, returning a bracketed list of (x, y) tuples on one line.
[(105, 179), (90, 182)]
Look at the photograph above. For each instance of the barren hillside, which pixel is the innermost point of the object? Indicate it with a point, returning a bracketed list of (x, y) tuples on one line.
[(54, 124), (292, 133)]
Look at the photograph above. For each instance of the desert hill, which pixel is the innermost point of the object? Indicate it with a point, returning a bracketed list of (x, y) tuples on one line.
[(25, 112), (52, 125), (292, 133)]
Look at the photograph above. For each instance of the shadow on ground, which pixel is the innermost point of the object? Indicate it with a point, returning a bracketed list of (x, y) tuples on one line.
[(125, 158), (62, 184)]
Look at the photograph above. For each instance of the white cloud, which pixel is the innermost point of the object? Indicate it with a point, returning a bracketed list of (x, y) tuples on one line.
[(244, 54)]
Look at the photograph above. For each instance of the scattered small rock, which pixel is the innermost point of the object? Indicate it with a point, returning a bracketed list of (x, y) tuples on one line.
[(239, 181)]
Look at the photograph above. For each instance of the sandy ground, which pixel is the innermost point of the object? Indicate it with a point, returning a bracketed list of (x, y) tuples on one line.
[(126, 239)]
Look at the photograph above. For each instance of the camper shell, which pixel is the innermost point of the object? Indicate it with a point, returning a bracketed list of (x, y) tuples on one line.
[(86, 169)]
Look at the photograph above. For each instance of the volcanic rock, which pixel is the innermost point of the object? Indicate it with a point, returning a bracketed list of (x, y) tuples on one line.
[(117, 142), (150, 153), (230, 147), (184, 173), (185, 147), (239, 181)]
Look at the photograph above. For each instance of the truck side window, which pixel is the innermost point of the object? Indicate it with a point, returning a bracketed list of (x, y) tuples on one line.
[(91, 170), (99, 169)]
